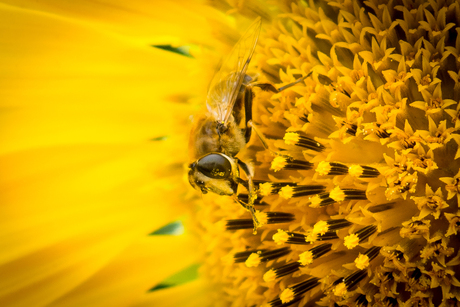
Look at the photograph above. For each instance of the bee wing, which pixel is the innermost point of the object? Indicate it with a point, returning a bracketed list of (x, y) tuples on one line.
[(226, 84)]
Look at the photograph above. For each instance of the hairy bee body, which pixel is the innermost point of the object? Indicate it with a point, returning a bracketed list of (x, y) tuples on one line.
[(208, 134)]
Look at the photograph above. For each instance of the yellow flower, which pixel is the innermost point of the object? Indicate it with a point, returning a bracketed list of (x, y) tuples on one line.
[(361, 170)]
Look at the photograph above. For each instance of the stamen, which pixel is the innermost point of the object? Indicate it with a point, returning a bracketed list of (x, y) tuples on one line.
[(354, 239), (280, 237), (351, 241), (331, 168), (281, 271), (337, 224), (269, 188), (278, 303), (287, 295), (270, 275), (253, 260), (321, 200), (279, 217), (362, 261), (300, 190), (329, 235), (366, 232), (354, 278), (307, 257), (278, 163), (293, 138), (286, 192), (288, 163), (294, 293), (271, 218), (239, 224), (339, 194), (362, 171), (373, 252), (340, 289), (320, 228), (263, 255)]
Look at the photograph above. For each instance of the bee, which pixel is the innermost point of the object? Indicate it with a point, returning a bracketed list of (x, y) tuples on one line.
[(219, 135)]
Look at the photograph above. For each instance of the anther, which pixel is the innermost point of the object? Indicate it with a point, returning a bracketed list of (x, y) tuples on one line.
[(320, 200), (288, 163), (281, 271), (294, 293), (337, 224), (331, 168), (339, 194), (363, 260), (293, 138), (300, 190), (278, 303), (354, 239), (269, 217), (263, 255), (307, 257), (373, 252), (354, 278), (362, 171), (269, 188), (289, 237)]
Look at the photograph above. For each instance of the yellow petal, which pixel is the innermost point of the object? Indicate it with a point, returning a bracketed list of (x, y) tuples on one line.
[(143, 22), (65, 83), (51, 195), (192, 294), (131, 274)]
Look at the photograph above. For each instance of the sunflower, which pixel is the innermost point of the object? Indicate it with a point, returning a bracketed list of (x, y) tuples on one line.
[(358, 188)]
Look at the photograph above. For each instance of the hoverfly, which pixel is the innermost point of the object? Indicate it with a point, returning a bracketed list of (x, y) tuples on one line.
[(219, 135)]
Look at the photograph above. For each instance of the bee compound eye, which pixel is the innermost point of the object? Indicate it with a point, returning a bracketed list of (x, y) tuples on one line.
[(215, 166)]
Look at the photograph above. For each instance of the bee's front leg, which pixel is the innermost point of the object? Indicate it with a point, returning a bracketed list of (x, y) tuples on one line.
[(270, 87), (252, 194)]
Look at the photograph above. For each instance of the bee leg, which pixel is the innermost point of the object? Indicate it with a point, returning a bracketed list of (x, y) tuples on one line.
[(252, 195), (259, 134), (248, 96), (252, 211), (271, 88), (294, 83), (266, 87)]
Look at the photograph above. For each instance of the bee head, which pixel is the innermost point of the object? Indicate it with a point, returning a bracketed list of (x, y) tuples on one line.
[(212, 172)]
